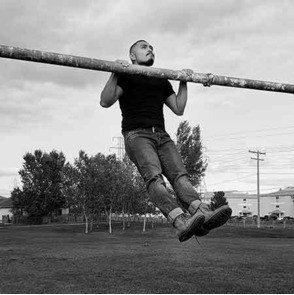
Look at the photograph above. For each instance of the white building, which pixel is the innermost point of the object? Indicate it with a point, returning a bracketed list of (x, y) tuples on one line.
[(280, 203), (5, 207)]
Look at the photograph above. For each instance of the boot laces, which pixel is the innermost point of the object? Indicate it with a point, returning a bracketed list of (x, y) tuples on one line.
[(184, 217), (203, 208), (197, 241)]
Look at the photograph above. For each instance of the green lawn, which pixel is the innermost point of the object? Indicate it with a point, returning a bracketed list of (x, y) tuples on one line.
[(65, 260)]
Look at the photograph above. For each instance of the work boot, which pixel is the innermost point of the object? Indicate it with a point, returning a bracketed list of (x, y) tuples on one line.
[(213, 218), (186, 225)]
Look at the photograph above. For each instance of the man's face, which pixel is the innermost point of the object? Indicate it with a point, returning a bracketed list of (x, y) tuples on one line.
[(142, 54)]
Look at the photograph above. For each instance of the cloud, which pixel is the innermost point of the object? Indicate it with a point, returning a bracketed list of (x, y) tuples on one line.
[(20, 72), (45, 105), (205, 35), (50, 26), (55, 106), (5, 193), (8, 172), (38, 23)]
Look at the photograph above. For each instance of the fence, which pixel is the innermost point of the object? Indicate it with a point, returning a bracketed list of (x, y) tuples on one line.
[(252, 223), (79, 218)]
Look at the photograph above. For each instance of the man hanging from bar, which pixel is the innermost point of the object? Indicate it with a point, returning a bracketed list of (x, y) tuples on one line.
[(148, 145)]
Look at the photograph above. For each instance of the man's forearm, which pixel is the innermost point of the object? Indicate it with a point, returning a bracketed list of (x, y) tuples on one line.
[(182, 97), (108, 94)]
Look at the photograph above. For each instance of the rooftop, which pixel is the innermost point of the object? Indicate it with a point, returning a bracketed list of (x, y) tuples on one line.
[(6, 203), (288, 191)]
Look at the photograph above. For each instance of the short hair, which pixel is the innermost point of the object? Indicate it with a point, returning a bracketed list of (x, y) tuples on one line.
[(131, 48)]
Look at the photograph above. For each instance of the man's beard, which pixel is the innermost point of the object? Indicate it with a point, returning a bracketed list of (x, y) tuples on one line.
[(148, 63)]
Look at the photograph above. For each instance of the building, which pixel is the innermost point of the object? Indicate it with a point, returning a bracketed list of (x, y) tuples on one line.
[(5, 207), (279, 203)]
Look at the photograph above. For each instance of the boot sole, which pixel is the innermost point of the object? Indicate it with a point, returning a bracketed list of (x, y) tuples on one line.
[(196, 225), (201, 232), (219, 219)]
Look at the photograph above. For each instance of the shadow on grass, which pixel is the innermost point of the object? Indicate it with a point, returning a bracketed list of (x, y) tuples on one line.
[(64, 260)]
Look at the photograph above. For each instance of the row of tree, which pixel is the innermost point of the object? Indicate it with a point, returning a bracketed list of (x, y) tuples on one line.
[(90, 186), (94, 185)]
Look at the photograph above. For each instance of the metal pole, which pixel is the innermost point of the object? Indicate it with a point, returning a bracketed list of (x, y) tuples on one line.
[(109, 66), (258, 194), (258, 186)]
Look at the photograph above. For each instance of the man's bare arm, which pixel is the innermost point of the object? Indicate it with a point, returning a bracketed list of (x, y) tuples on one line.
[(177, 102), (111, 92)]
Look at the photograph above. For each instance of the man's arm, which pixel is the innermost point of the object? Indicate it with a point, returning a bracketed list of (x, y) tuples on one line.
[(177, 103), (111, 92)]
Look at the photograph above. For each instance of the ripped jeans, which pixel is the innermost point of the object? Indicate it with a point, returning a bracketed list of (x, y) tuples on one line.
[(155, 154)]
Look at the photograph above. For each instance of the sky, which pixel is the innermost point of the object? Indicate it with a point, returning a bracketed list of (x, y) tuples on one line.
[(51, 107)]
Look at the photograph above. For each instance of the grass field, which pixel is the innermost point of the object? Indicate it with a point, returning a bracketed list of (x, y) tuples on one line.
[(64, 260)]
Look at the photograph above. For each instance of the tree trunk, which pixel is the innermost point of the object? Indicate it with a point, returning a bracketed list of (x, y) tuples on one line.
[(129, 222), (123, 220), (98, 218), (144, 222), (91, 223), (87, 223), (109, 220)]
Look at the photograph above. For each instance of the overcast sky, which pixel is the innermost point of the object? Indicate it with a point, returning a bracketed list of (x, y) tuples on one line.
[(50, 107)]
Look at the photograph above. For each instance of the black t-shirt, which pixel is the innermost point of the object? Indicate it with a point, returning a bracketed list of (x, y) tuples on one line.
[(142, 101)]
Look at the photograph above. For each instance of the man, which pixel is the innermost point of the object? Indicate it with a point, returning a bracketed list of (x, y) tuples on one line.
[(151, 149)]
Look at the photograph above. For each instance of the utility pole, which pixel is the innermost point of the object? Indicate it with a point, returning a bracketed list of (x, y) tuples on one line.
[(258, 190), (15, 183), (120, 146)]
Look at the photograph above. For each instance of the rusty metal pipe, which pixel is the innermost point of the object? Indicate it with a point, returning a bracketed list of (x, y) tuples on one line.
[(110, 66)]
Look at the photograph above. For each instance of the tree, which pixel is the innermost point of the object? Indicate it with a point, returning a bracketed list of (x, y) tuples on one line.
[(41, 193), (133, 197), (84, 183), (141, 203), (113, 173), (128, 191), (190, 148), (71, 189), (17, 203), (218, 200), (99, 182)]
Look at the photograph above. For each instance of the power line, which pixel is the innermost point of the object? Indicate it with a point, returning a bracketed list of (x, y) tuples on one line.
[(256, 136), (226, 155), (243, 170), (285, 153), (277, 173), (234, 179), (249, 131), (270, 149), (224, 150), (278, 147), (229, 161)]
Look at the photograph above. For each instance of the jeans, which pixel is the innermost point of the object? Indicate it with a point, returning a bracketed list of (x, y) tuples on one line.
[(155, 154)]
